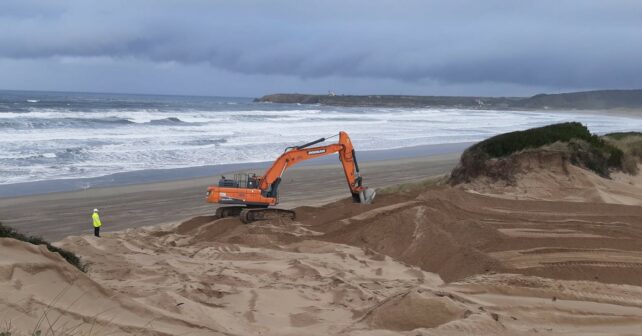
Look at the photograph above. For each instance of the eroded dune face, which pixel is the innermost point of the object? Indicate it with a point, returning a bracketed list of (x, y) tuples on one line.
[(510, 267), (548, 175), (41, 291)]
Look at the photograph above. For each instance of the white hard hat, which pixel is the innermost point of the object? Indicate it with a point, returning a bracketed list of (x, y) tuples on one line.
[(95, 210)]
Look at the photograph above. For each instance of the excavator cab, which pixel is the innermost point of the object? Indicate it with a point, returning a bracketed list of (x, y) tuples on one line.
[(242, 180)]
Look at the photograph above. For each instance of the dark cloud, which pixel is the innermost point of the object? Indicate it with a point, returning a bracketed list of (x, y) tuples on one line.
[(551, 44)]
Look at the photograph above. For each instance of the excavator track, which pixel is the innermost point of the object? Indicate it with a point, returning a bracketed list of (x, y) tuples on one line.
[(249, 215), (229, 211)]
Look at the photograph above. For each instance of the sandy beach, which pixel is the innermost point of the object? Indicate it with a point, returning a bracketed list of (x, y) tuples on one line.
[(57, 215)]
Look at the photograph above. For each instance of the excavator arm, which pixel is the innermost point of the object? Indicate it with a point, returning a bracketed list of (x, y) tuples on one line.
[(293, 155)]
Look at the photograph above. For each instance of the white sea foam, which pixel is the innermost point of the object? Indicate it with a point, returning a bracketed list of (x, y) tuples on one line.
[(62, 143)]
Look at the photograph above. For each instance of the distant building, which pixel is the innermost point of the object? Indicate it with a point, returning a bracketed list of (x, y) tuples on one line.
[(331, 93)]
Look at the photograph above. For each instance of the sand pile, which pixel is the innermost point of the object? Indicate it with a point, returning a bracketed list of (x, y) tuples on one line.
[(458, 234), (415, 309), (427, 235)]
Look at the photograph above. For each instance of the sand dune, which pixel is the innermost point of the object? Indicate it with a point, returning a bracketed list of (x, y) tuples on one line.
[(350, 269), (420, 261), (548, 175), (40, 291)]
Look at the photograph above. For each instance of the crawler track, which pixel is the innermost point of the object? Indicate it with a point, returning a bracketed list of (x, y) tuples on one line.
[(252, 215)]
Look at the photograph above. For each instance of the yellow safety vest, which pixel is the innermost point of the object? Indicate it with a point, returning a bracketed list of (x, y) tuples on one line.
[(96, 219)]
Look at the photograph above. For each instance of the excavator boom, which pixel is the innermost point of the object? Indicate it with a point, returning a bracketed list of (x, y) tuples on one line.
[(261, 192)]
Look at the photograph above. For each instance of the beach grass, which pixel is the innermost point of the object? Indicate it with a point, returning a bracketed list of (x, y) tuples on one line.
[(593, 152), (70, 257)]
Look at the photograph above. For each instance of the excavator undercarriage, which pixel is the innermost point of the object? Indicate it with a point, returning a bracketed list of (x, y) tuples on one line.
[(253, 214)]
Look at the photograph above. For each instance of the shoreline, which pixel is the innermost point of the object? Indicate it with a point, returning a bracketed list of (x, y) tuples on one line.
[(137, 177)]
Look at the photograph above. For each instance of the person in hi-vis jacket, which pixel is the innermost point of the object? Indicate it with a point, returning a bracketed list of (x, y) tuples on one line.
[(97, 224)]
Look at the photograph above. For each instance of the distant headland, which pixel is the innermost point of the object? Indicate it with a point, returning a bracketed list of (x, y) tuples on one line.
[(586, 100)]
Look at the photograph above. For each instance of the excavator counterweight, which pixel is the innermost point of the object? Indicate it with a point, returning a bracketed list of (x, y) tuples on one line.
[(249, 196)]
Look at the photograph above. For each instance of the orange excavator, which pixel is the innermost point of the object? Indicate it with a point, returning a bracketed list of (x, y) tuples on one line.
[(249, 196)]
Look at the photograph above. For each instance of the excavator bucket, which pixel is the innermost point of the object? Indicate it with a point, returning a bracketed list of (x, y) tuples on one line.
[(367, 196)]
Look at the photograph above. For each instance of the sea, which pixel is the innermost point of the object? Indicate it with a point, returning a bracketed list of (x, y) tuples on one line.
[(67, 135)]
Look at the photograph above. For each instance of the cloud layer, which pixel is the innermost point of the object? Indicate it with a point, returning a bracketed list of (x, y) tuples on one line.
[(549, 44)]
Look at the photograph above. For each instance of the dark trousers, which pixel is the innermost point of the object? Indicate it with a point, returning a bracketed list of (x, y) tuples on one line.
[(97, 231)]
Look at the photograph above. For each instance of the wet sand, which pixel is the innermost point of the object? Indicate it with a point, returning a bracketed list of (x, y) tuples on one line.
[(186, 173)]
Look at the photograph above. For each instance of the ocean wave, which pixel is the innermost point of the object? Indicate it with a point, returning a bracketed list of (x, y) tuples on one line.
[(27, 158), (166, 121), (137, 116), (38, 123), (204, 142), (35, 123), (343, 119)]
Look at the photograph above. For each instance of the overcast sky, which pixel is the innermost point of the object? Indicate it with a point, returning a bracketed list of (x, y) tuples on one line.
[(251, 48)]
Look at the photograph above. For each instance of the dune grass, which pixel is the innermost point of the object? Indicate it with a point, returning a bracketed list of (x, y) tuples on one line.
[(509, 143), (600, 154), (413, 187), (70, 257), (630, 143), (623, 135)]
